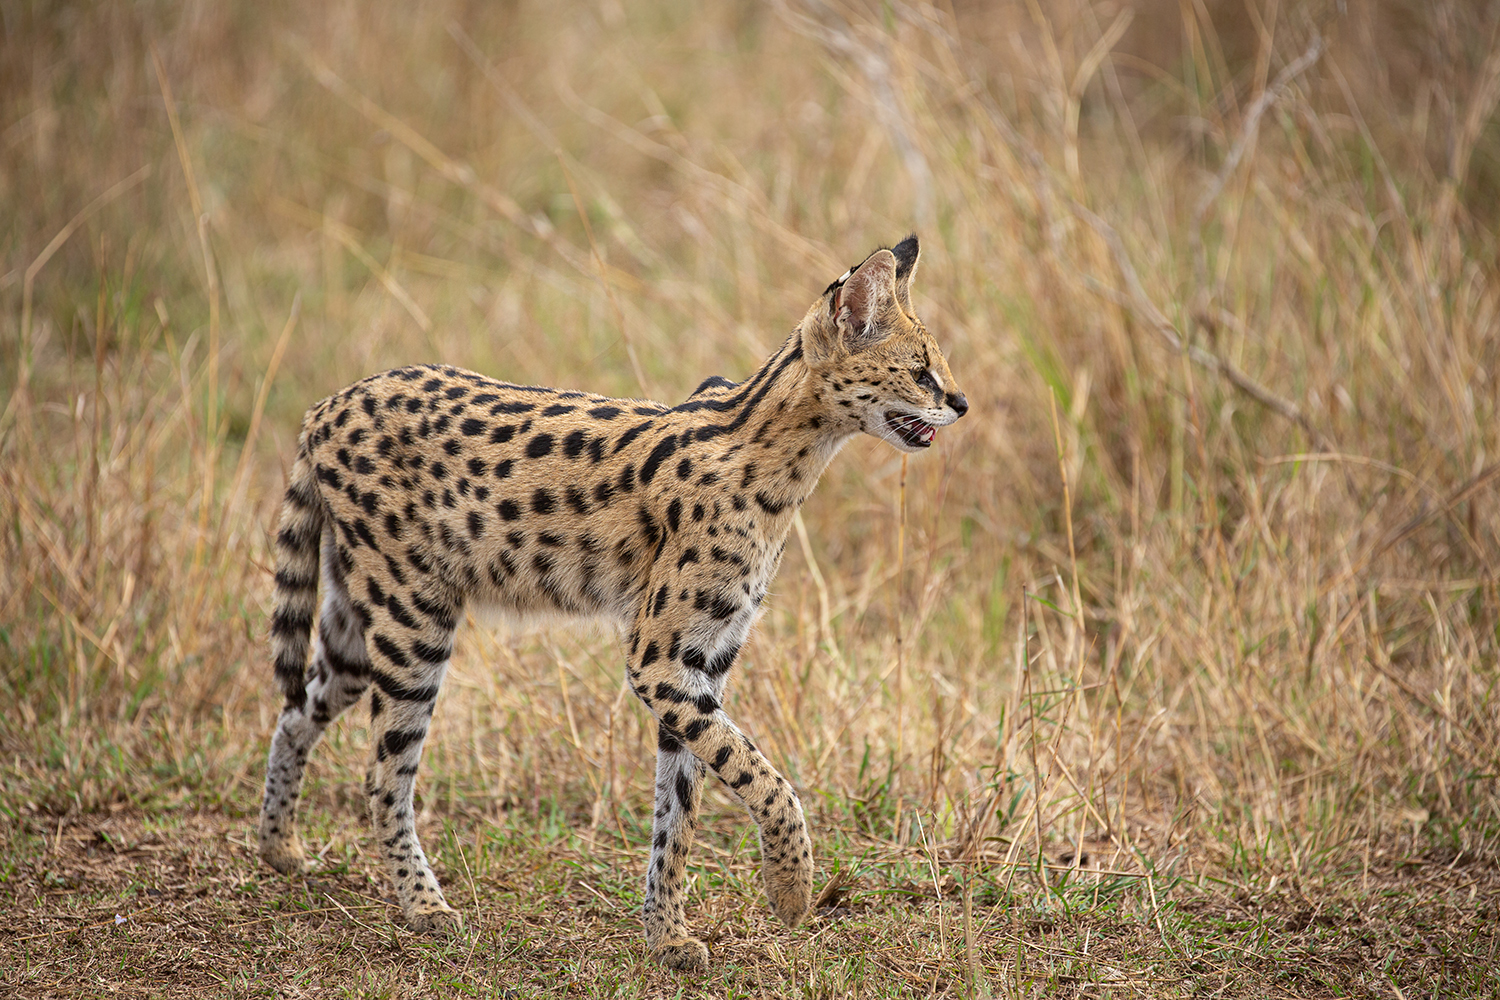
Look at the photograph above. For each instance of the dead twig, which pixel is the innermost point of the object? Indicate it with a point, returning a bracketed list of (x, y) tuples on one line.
[(1140, 303), (1249, 130)]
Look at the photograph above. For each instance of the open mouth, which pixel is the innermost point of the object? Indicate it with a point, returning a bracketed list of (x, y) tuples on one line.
[(912, 431)]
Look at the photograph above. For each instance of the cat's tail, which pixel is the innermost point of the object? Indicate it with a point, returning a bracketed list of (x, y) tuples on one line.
[(298, 540)]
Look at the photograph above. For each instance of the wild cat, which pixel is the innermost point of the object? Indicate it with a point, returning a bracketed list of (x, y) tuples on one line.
[(422, 491)]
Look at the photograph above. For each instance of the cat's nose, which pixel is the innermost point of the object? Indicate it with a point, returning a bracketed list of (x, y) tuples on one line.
[(959, 402)]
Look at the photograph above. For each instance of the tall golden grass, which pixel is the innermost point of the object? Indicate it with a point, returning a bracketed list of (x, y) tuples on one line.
[(1208, 572)]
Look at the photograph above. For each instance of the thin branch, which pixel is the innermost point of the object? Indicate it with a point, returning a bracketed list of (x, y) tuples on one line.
[(1137, 301), (1249, 129), (1140, 303)]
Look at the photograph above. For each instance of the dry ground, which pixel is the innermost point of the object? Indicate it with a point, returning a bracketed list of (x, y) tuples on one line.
[(1204, 587), (138, 906)]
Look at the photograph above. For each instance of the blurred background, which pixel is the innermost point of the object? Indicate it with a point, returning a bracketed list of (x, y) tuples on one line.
[(1206, 577)]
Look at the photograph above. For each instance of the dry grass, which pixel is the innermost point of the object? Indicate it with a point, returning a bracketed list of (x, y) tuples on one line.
[(1204, 587)]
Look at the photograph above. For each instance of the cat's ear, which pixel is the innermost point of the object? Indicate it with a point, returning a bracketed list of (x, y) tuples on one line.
[(907, 253), (858, 303)]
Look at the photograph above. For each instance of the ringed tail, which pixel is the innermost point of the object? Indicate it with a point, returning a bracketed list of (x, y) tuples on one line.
[(298, 538)]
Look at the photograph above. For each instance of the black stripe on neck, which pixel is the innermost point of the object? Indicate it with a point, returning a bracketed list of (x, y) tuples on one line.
[(773, 366), (709, 431)]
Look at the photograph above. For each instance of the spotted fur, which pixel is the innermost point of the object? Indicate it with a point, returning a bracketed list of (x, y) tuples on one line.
[(423, 491)]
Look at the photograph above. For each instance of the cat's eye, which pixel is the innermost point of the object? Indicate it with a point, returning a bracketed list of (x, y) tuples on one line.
[(924, 378)]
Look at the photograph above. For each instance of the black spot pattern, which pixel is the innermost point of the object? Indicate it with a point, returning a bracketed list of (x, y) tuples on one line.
[(434, 486)]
